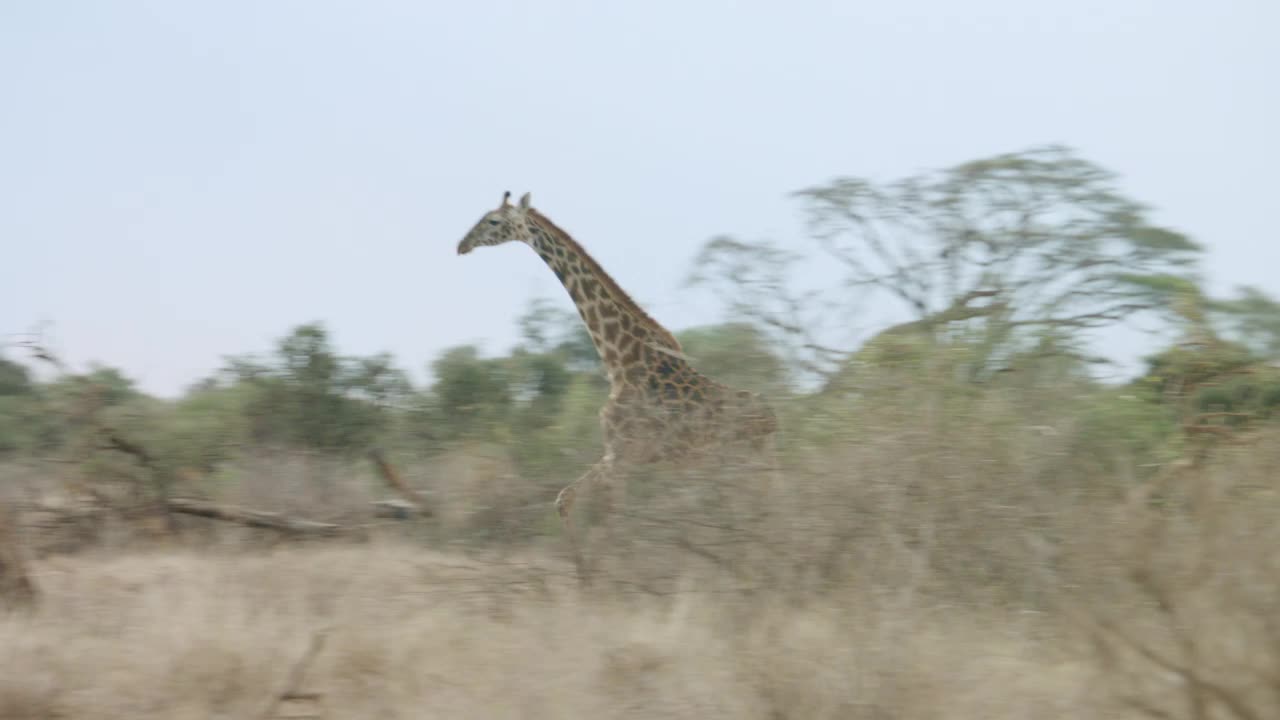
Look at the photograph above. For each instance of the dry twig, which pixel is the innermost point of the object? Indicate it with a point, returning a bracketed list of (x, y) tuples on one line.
[(291, 691)]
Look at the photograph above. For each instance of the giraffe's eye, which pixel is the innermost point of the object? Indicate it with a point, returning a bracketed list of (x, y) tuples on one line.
[(493, 222)]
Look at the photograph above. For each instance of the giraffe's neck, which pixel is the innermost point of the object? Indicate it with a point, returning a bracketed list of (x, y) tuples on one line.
[(624, 335)]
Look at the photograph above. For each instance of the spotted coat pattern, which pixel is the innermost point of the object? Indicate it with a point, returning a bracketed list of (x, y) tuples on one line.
[(659, 407)]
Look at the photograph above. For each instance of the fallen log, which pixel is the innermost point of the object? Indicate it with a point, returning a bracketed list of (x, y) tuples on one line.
[(253, 518)]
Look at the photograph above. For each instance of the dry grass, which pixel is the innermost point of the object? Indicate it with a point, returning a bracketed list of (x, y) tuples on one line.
[(1200, 634), (957, 560), (416, 634)]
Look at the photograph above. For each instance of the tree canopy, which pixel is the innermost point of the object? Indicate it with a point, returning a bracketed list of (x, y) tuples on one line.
[(1000, 249)]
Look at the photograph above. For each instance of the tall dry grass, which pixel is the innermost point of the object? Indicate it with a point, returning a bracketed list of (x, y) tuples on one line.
[(957, 556), (418, 634)]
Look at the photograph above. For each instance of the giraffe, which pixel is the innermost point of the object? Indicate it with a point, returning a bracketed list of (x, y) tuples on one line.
[(659, 407)]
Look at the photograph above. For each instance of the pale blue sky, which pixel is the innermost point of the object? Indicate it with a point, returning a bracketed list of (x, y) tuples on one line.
[(180, 181)]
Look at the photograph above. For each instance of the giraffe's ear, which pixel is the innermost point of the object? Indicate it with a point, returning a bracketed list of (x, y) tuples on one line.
[(524, 201)]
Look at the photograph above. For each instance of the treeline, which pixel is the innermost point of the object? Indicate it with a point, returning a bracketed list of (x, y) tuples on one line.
[(541, 398)]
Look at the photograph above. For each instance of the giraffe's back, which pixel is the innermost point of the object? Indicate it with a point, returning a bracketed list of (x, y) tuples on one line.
[(673, 410)]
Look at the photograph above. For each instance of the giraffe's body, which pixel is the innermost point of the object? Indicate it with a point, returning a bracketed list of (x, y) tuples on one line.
[(659, 407)]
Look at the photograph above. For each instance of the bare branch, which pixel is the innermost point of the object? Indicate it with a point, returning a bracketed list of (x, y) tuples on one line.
[(420, 504)]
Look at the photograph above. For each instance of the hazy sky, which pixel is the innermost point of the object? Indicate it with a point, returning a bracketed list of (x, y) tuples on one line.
[(179, 182)]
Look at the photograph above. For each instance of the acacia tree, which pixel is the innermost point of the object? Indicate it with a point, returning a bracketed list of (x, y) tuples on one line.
[(1002, 251), (1253, 318)]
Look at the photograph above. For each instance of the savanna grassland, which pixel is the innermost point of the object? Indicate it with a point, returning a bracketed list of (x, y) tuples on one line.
[(966, 522), (966, 563)]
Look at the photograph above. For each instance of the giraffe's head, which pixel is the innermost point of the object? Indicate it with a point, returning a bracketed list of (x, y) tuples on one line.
[(508, 222)]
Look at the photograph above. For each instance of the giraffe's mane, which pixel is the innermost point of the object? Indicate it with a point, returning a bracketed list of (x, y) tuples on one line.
[(616, 293)]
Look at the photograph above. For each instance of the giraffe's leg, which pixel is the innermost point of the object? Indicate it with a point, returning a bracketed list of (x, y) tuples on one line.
[(600, 471)]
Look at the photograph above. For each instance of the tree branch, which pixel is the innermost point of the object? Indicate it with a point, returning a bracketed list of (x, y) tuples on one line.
[(421, 505)]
